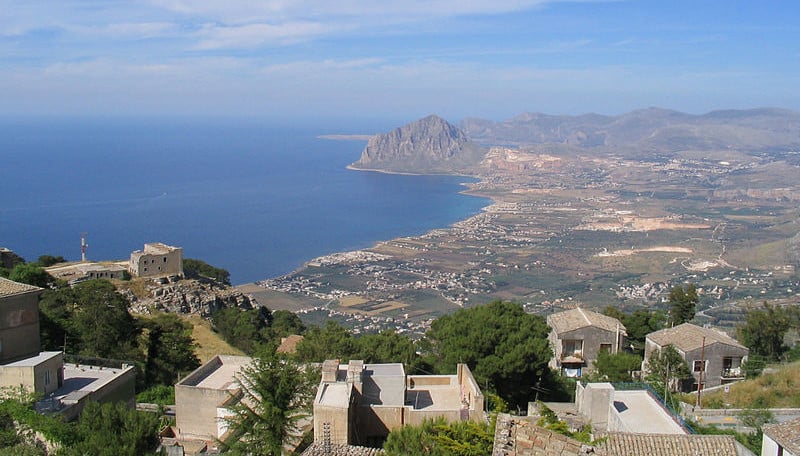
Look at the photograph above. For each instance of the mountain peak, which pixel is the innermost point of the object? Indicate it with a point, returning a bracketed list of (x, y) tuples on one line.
[(427, 145)]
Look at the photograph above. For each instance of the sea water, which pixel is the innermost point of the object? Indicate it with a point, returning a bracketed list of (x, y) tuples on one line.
[(254, 198)]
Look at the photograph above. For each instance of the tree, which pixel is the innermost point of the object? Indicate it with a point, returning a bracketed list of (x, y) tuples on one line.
[(32, 274), (113, 429), (276, 393), (49, 260), (244, 329), (638, 324), (92, 318), (615, 367), (329, 342), (285, 323), (666, 369), (386, 347), (170, 349), (502, 345), (196, 269), (763, 331), (682, 304), (439, 438)]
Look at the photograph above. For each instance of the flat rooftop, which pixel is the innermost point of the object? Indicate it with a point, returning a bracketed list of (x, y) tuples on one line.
[(641, 414), (219, 373), (334, 395), (435, 397), (34, 360)]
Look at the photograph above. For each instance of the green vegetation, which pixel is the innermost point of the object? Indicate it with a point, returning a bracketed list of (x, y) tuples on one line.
[(504, 347), (682, 304), (276, 393), (666, 370), (764, 330), (91, 319), (103, 430), (49, 260), (638, 324), (198, 269), (770, 390), (615, 367), (549, 420), (251, 330), (32, 274), (439, 438)]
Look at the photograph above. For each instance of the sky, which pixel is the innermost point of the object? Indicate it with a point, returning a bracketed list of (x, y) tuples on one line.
[(404, 59)]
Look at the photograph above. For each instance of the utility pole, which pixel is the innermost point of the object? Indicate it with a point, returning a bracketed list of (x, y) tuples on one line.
[(702, 369)]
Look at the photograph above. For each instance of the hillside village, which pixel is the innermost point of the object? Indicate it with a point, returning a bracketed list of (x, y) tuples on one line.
[(356, 405), (586, 311)]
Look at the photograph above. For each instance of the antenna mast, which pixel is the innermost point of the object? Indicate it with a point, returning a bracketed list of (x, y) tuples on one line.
[(84, 246)]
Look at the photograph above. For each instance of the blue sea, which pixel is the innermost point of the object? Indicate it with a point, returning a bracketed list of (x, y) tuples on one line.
[(255, 198)]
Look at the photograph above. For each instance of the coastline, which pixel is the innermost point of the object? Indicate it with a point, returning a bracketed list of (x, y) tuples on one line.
[(467, 191)]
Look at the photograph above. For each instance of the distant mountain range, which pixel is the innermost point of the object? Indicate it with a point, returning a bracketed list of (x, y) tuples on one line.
[(432, 145)]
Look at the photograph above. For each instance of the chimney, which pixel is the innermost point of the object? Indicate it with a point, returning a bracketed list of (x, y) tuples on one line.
[(329, 370), (354, 370)]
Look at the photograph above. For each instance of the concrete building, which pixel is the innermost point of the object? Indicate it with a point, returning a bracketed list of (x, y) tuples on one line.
[(202, 396), (709, 353), (19, 321), (157, 260), (65, 388), (578, 335), (78, 272), (782, 439), (360, 404), (631, 411)]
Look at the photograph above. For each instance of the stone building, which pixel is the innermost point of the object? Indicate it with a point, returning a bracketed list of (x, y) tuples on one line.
[(19, 321), (578, 335), (64, 387), (157, 260), (709, 353), (360, 404)]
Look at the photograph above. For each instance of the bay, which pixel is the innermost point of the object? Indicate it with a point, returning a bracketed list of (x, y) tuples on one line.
[(255, 198)]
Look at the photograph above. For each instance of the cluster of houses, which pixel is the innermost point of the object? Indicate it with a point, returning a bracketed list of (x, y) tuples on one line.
[(357, 404)]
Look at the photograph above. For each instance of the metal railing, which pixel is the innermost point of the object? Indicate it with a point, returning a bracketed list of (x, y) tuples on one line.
[(640, 386)]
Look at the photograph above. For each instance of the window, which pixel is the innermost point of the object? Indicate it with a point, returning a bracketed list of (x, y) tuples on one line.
[(605, 347), (1, 346), (47, 377), (572, 347), (165, 259), (699, 365)]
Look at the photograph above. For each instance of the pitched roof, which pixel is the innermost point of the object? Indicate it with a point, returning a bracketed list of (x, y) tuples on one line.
[(518, 436), (625, 444), (785, 434), (570, 320), (11, 288), (289, 344), (688, 337)]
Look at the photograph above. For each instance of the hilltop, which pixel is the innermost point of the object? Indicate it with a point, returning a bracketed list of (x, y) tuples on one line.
[(428, 145)]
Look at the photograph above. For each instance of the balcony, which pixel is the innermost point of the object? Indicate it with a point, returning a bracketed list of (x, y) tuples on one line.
[(575, 357), (732, 373)]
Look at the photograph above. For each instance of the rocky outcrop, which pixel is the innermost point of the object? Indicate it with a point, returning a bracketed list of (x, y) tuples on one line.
[(189, 297), (429, 145)]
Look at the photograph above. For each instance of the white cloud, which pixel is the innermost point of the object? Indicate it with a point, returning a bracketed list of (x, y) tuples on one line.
[(213, 36)]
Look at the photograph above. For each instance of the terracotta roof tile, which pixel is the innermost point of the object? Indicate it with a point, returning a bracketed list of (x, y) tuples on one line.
[(690, 337), (785, 434), (570, 320), (625, 444), (10, 288)]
